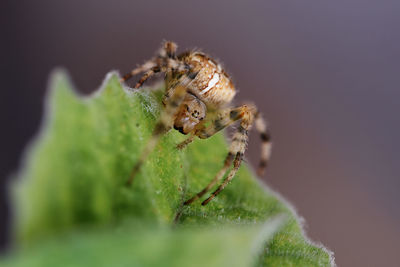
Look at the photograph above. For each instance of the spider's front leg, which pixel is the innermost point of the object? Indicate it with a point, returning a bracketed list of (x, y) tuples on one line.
[(165, 61), (237, 147), (247, 115), (165, 122)]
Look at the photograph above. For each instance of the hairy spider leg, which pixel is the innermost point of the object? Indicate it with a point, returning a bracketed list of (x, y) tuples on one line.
[(147, 75), (163, 62), (266, 145), (232, 173), (172, 104), (220, 174), (148, 65), (237, 147)]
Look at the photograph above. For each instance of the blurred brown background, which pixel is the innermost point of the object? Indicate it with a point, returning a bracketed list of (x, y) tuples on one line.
[(324, 73)]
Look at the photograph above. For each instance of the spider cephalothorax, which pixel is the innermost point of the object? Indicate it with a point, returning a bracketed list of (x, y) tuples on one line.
[(197, 98)]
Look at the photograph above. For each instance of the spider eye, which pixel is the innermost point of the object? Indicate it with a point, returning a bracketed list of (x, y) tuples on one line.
[(187, 108), (195, 114)]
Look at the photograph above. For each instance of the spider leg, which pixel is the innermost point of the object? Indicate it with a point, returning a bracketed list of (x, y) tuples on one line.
[(185, 142), (164, 123), (237, 147), (147, 75), (220, 174), (143, 68), (163, 62), (236, 165), (266, 145)]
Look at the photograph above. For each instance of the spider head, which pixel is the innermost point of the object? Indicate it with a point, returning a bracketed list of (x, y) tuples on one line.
[(190, 113)]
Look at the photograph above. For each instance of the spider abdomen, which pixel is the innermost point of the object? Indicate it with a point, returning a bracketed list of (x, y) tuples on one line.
[(211, 85)]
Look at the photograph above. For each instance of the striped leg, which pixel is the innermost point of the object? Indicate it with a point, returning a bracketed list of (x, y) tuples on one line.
[(236, 165), (147, 75), (266, 146), (237, 147), (143, 68), (163, 125), (163, 62), (220, 174)]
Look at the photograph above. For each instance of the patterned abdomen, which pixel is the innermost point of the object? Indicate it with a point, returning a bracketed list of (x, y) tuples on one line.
[(211, 85)]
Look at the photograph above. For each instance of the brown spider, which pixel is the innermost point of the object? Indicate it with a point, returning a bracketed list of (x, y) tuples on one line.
[(198, 92)]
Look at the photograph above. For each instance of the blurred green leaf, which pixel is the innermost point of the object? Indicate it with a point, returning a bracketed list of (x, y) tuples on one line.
[(137, 245), (70, 199)]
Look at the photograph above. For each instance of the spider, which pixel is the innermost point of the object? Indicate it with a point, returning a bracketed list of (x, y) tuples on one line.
[(196, 103)]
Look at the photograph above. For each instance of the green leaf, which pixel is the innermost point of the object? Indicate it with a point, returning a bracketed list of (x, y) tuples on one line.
[(138, 245), (72, 183)]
